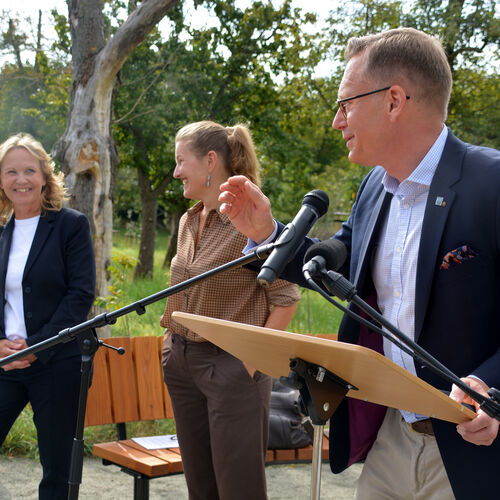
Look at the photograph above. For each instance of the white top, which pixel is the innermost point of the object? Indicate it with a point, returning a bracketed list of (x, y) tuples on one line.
[(22, 239)]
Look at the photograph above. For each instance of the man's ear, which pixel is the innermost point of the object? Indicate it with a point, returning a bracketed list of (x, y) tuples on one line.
[(397, 100)]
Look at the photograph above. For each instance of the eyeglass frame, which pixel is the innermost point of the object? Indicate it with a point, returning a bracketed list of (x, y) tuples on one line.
[(341, 101)]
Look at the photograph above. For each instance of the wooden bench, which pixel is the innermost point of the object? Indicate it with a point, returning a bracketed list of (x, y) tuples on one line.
[(130, 388)]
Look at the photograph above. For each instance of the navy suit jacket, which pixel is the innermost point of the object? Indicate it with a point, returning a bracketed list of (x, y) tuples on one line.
[(58, 280), (456, 310)]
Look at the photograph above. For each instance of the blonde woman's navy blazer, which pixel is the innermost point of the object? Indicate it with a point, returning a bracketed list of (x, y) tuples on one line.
[(58, 280)]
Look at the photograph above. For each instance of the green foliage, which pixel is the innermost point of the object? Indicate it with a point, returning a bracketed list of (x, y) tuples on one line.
[(126, 203), (63, 42), (22, 439), (120, 268), (125, 251), (315, 315), (256, 65), (470, 33), (474, 111), (225, 73), (33, 97)]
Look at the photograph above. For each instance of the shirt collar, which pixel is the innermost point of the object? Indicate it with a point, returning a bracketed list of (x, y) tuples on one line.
[(197, 208), (422, 176)]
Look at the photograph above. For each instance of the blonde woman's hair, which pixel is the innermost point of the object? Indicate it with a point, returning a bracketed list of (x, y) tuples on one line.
[(233, 144), (53, 193), (411, 55)]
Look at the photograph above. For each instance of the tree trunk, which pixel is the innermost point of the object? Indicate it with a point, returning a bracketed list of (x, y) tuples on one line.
[(175, 217), (87, 149), (149, 203)]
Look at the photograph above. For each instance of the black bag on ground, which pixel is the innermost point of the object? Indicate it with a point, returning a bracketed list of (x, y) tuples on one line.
[(289, 428)]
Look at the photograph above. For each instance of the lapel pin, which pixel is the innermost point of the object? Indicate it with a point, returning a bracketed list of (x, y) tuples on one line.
[(440, 201)]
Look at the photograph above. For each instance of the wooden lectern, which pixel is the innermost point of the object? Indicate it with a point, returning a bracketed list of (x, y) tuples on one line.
[(326, 371), (376, 378)]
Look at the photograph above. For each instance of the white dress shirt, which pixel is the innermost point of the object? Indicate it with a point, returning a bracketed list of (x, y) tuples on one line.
[(394, 266)]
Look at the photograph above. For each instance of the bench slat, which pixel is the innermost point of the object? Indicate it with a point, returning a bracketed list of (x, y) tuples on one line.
[(99, 397), (149, 378), (169, 412), (124, 402), (121, 453), (170, 455)]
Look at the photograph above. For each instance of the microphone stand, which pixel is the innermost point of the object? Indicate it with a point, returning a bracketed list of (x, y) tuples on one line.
[(321, 392), (89, 343)]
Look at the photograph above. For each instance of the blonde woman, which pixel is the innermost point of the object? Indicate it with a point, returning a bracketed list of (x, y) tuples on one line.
[(47, 281), (221, 406)]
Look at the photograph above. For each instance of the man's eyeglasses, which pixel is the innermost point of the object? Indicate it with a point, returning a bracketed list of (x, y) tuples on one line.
[(341, 102)]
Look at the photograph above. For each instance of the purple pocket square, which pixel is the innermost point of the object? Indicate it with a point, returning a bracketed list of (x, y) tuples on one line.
[(457, 256)]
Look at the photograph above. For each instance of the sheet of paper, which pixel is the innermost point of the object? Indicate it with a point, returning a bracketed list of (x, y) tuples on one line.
[(157, 442)]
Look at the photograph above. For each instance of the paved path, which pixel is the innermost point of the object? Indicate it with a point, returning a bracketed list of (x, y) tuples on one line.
[(19, 479)]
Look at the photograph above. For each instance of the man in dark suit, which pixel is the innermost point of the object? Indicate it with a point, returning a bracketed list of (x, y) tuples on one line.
[(423, 242)]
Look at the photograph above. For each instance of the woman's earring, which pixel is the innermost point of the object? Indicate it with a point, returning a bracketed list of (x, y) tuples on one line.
[(208, 180)]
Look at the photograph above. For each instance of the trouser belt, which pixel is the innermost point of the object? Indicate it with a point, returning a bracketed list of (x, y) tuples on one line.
[(423, 427)]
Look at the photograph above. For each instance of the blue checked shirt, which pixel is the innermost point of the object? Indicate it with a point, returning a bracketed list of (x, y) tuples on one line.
[(395, 258)]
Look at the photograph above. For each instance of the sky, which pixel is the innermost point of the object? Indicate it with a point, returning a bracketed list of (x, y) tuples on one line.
[(25, 8)]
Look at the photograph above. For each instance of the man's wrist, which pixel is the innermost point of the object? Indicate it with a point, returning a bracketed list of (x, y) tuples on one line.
[(251, 244)]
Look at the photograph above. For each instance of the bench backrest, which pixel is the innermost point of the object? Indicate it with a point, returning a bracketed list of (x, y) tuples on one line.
[(130, 387)]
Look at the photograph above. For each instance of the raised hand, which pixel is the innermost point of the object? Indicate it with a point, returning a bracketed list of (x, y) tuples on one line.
[(247, 207)]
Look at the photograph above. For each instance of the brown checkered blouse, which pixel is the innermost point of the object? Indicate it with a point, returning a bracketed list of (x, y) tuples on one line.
[(233, 295)]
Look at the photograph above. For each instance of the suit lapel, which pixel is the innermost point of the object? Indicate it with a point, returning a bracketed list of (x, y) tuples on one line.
[(5, 242), (44, 228), (439, 203)]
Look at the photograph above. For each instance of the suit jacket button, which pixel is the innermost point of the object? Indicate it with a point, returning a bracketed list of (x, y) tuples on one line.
[(27, 289), (29, 315)]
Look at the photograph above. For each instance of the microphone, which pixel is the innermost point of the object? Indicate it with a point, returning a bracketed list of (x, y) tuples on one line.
[(328, 255), (314, 205)]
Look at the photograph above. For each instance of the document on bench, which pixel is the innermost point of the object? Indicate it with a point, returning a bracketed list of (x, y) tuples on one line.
[(157, 442)]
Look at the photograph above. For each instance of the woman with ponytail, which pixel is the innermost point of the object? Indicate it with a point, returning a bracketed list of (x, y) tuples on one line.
[(221, 405)]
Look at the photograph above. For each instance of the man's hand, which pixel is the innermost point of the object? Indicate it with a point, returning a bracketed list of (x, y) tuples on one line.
[(247, 207), (8, 347), (483, 429)]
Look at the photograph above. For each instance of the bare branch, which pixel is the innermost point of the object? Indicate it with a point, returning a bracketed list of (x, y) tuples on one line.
[(143, 93), (129, 35)]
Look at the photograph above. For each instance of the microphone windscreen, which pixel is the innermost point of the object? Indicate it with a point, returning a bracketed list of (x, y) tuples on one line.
[(317, 199), (333, 251)]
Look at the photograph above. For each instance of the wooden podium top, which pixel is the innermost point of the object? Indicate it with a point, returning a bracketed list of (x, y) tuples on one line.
[(378, 379)]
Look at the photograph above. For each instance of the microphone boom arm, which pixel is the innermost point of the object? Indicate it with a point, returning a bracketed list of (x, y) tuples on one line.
[(139, 307)]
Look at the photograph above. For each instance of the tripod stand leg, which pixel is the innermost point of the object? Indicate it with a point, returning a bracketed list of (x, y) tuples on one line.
[(316, 462), (88, 346)]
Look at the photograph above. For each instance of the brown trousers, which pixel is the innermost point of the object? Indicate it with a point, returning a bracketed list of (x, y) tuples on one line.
[(222, 420)]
